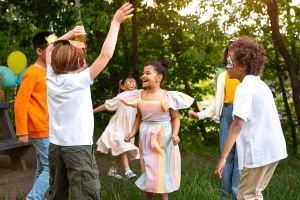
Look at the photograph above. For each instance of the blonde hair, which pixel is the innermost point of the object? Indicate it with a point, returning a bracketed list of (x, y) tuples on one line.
[(66, 58)]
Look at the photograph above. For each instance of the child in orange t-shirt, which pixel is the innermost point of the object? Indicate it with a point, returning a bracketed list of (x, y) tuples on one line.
[(31, 115)]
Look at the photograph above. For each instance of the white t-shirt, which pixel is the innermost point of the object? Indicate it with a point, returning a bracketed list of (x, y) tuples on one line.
[(261, 139), (71, 118)]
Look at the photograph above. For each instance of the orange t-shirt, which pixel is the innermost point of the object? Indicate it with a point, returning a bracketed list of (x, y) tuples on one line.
[(31, 112), (230, 87)]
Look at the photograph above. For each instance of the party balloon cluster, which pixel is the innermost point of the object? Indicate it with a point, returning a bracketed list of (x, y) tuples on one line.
[(12, 75)]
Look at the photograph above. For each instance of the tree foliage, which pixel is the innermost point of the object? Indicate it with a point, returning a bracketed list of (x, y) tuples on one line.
[(158, 31)]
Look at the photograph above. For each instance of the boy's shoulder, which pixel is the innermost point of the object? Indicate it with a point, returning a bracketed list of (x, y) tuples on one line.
[(250, 81), (248, 85), (254, 86), (253, 82), (34, 71)]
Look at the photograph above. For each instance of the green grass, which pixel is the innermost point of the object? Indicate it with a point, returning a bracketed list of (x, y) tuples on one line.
[(198, 182), (19, 197)]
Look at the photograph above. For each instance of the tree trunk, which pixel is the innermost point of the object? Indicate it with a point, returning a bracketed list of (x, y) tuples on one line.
[(292, 42), (196, 108), (286, 104), (124, 45), (134, 42), (288, 113), (272, 10), (77, 5)]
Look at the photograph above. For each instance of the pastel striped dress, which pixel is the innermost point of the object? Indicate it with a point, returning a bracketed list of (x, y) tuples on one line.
[(159, 157)]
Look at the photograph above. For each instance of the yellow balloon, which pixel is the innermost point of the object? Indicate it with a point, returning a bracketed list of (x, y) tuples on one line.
[(17, 61)]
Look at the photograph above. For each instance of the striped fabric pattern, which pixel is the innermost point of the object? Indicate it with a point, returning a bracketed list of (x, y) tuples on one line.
[(159, 157)]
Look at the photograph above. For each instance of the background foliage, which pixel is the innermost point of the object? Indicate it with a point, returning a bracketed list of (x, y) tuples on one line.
[(159, 30)]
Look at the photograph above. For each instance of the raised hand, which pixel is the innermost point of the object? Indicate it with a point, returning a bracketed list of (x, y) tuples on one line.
[(78, 31), (123, 13)]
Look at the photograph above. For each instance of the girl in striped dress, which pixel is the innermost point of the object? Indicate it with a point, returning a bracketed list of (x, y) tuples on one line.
[(158, 123)]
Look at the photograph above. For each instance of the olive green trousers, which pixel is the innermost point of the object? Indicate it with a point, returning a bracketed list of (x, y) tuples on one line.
[(73, 173)]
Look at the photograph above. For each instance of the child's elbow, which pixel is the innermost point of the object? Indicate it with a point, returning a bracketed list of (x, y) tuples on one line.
[(106, 55), (238, 123), (175, 119)]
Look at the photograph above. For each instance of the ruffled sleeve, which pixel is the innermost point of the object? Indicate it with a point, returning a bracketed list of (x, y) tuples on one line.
[(111, 104), (129, 98), (177, 100)]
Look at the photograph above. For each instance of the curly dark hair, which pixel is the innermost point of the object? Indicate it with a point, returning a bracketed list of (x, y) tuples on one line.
[(249, 54)]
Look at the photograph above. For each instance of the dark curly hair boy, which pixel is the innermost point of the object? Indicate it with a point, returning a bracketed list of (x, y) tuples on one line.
[(249, 54)]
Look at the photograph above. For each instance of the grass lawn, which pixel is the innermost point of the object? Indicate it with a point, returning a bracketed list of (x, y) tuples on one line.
[(198, 182)]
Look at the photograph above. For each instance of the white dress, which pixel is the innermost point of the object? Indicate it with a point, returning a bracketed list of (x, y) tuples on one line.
[(121, 123)]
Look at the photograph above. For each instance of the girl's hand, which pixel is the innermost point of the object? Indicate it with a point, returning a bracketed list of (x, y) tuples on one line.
[(128, 137), (193, 115), (123, 13), (175, 139)]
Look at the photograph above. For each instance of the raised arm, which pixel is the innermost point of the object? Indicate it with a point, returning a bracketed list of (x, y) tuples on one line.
[(109, 44)]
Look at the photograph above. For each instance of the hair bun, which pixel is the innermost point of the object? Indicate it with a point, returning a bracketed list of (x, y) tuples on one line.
[(166, 63)]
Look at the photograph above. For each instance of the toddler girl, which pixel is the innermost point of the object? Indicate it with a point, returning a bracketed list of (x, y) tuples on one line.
[(112, 139)]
